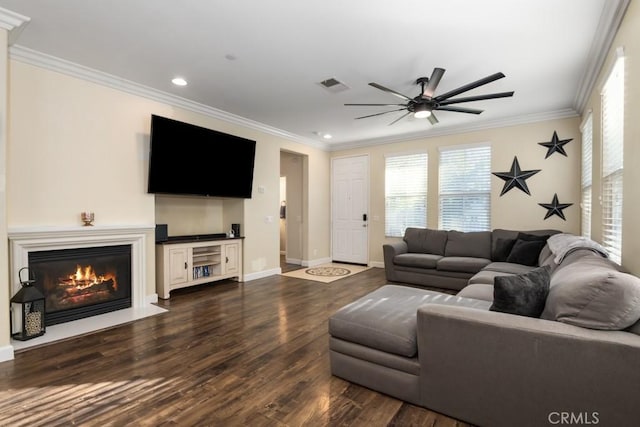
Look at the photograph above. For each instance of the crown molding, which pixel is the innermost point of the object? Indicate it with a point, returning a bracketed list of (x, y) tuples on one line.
[(52, 63), (612, 15), (454, 130), (13, 22)]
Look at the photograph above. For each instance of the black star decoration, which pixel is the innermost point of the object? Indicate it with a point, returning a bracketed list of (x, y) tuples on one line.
[(555, 207), (555, 145), (515, 177)]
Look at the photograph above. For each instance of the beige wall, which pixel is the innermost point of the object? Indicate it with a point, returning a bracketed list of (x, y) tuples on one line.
[(74, 146), (514, 210), (628, 37), (5, 353)]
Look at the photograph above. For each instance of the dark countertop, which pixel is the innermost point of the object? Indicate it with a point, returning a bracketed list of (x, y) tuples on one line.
[(197, 238)]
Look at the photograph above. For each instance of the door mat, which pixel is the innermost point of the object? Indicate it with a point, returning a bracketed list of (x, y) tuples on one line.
[(327, 273)]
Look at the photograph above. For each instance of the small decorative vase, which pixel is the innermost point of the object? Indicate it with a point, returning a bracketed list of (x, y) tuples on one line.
[(87, 218)]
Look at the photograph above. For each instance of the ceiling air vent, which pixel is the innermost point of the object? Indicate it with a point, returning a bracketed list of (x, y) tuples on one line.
[(333, 85)]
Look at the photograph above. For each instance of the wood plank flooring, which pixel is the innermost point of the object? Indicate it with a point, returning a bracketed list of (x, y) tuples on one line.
[(227, 354)]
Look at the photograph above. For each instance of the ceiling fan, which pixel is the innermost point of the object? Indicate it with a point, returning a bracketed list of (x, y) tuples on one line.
[(423, 105)]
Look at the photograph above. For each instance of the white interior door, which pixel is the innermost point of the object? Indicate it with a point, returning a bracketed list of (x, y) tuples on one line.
[(349, 206)]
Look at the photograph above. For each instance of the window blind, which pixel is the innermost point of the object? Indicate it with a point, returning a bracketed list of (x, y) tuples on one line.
[(465, 188), (612, 161), (405, 193), (587, 168)]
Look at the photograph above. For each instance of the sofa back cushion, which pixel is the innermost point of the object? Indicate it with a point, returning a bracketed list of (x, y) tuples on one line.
[(502, 241), (425, 240), (588, 290), (469, 244)]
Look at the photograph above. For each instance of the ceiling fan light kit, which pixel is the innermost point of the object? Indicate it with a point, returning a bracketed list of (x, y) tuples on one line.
[(423, 105), (422, 111)]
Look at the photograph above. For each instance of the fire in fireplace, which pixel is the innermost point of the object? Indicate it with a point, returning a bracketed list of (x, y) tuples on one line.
[(82, 282)]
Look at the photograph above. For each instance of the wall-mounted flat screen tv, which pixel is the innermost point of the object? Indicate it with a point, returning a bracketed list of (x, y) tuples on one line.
[(192, 160)]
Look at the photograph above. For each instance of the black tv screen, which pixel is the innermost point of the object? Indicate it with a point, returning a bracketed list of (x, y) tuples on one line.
[(192, 160)]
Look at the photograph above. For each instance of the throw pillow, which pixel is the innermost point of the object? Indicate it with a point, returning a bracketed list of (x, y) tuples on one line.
[(526, 249), (503, 249), (524, 295)]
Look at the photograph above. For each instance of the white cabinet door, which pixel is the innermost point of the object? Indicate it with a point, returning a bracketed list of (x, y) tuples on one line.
[(231, 253), (349, 207), (178, 265)]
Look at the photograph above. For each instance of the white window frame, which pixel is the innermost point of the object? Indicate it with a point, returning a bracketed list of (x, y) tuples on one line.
[(405, 192), (466, 192), (586, 182), (612, 101)]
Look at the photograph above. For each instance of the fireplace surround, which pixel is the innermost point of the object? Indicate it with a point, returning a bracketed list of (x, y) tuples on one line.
[(25, 241)]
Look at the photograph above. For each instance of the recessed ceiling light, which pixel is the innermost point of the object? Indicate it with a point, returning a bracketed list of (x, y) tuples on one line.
[(327, 136), (179, 81)]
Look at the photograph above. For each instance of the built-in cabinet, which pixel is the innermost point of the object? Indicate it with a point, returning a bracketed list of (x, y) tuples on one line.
[(181, 263)]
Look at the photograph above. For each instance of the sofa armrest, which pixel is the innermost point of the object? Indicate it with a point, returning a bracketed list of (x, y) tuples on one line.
[(498, 369), (389, 251)]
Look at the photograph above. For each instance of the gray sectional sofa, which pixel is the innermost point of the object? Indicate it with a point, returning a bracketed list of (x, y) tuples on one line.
[(465, 356), (449, 259)]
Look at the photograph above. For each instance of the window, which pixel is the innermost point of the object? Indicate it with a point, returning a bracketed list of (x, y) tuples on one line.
[(612, 150), (586, 182), (465, 188), (405, 193)]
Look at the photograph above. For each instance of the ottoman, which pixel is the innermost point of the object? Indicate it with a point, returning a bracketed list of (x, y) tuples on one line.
[(373, 340)]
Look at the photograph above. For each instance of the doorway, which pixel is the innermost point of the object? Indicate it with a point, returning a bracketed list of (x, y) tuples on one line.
[(291, 211), (349, 209)]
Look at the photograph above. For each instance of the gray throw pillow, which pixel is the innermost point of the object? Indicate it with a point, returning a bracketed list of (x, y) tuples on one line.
[(524, 294), (526, 249)]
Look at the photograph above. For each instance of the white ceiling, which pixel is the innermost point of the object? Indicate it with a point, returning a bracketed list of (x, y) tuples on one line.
[(281, 49)]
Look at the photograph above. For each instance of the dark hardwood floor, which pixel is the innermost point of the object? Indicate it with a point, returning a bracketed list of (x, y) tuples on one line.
[(227, 354)]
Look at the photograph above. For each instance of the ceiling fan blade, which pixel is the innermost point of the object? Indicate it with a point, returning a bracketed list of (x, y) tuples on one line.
[(392, 92), (379, 114), (460, 110), (430, 89), (477, 98), (399, 118), (432, 119), (375, 105), (469, 86)]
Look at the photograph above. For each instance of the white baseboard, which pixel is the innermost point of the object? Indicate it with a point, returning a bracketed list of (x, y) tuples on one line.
[(262, 274), (293, 261), (315, 262), (6, 353), (376, 264)]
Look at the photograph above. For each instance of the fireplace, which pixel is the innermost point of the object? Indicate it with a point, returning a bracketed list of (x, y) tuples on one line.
[(25, 241), (82, 282)]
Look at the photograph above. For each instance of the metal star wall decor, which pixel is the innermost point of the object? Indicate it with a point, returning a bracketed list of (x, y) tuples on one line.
[(555, 207), (515, 178), (556, 145)]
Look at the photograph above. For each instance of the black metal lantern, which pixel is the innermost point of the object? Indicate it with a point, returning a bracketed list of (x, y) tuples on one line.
[(27, 310)]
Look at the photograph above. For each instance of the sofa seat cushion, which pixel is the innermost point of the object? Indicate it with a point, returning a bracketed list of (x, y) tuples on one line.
[(477, 291), (588, 290), (417, 260), (508, 267), (462, 264), (486, 277), (385, 319)]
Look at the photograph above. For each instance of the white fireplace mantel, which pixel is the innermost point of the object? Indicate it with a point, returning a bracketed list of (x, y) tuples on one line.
[(25, 240)]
